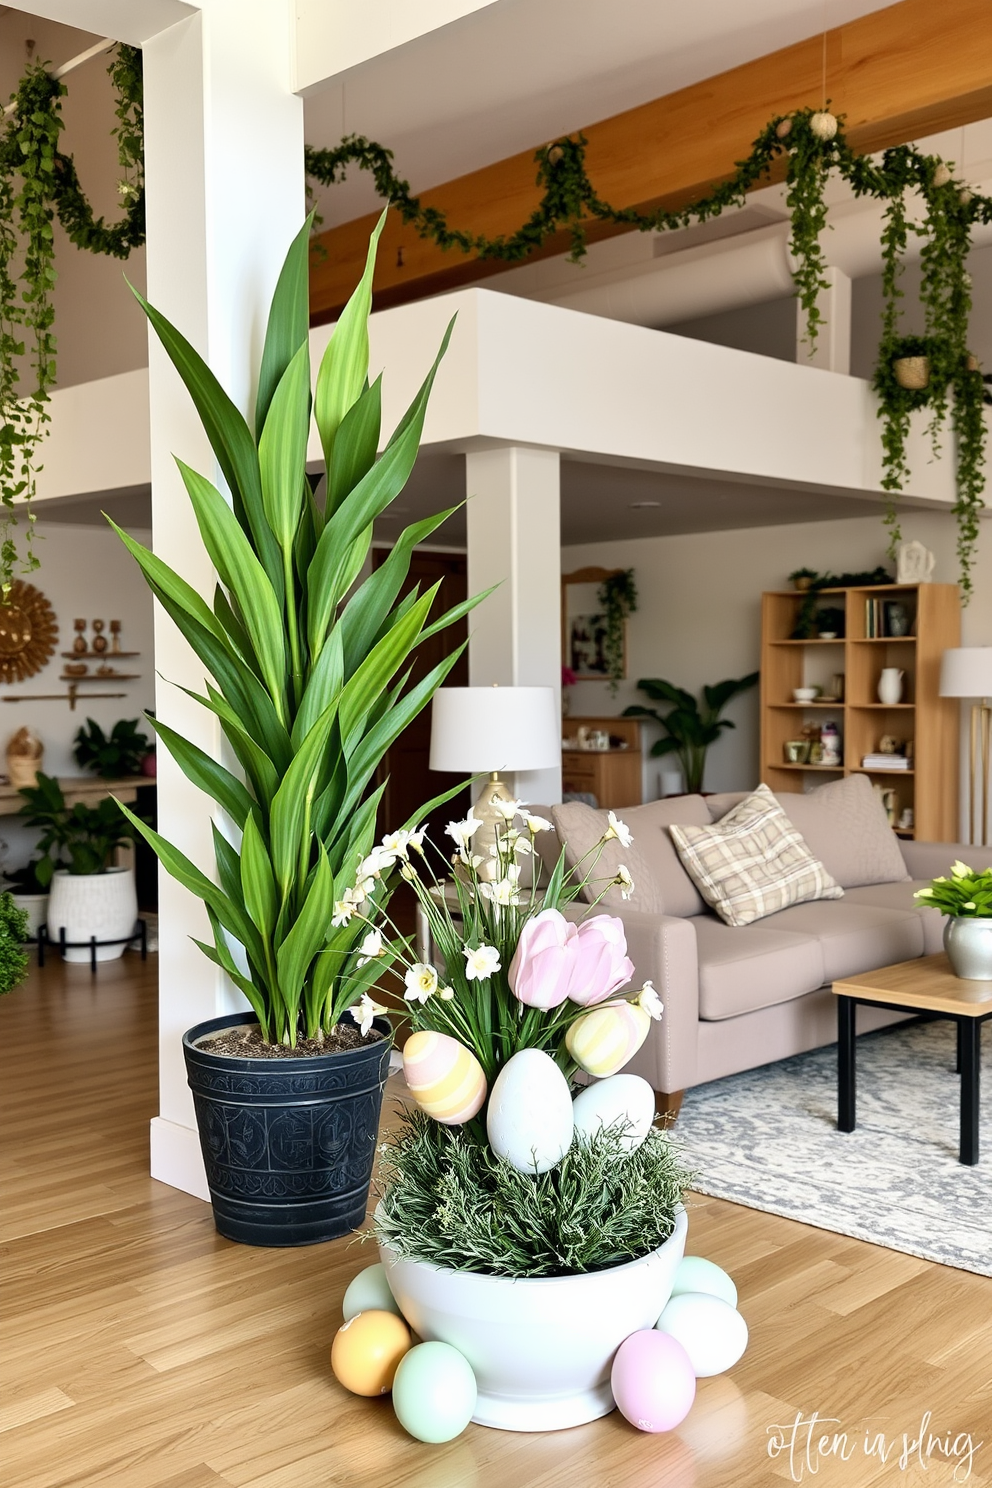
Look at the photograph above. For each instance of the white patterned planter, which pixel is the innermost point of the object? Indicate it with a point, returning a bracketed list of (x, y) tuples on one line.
[(100, 904), (35, 906)]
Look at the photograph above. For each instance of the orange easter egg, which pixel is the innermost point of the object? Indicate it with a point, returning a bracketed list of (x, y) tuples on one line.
[(604, 1039), (445, 1079), (367, 1350)]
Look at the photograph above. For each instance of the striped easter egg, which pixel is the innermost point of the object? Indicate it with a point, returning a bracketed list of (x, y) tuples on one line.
[(602, 1041), (445, 1079)]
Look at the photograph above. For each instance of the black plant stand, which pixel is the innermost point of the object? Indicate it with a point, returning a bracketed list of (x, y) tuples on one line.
[(140, 932)]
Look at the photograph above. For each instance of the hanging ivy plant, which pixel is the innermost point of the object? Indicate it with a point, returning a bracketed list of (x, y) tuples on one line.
[(37, 182), (618, 597)]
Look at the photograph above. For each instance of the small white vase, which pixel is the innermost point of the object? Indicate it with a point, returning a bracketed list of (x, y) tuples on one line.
[(88, 904), (968, 943), (890, 686), (35, 907), (541, 1348)]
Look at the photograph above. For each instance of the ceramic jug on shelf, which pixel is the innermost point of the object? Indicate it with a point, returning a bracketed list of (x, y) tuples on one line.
[(890, 686)]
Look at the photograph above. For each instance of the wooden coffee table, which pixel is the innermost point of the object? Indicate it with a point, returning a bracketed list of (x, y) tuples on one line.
[(925, 985)]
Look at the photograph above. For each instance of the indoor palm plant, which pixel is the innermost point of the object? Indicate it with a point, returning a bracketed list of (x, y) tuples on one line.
[(309, 672), (87, 894), (689, 728)]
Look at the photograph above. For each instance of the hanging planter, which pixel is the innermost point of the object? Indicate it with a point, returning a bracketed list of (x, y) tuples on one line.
[(912, 373), (618, 596)]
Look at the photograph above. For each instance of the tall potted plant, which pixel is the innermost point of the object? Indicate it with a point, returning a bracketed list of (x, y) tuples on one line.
[(309, 673), (689, 729)]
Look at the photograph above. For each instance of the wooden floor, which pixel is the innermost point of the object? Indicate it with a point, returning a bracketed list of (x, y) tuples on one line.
[(142, 1351)]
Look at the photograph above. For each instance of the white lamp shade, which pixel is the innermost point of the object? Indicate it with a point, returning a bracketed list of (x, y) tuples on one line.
[(966, 672), (494, 728)]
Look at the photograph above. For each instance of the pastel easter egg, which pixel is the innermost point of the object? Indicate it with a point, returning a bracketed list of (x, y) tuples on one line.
[(603, 1040), (434, 1392), (529, 1120), (367, 1350), (653, 1385), (445, 1079), (369, 1292), (713, 1333), (624, 1101), (697, 1275)]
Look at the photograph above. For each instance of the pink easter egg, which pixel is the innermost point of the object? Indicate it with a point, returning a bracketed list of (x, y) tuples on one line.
[(653, 1387), (445, 1079)]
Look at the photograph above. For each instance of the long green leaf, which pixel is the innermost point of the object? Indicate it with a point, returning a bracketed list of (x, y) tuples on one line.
[(239, 568), (258, 880), (306, 936), (288, 326), (366, 610), (355, 445), (165, 580), (345, 363), (382, 662), (226, 962), (293, 802), (282, 449), (206, 773), (325, 683), (235, 630)]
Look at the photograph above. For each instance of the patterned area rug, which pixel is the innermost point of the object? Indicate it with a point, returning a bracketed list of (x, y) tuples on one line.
[(768, 1139)]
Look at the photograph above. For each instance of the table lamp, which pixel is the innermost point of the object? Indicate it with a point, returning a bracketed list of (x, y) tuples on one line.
[(966, 672), (477, 730)]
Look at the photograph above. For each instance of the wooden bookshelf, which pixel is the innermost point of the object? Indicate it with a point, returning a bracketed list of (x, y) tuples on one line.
[(930, 787)]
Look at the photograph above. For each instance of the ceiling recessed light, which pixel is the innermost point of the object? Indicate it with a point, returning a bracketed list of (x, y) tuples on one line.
[(642, 505)]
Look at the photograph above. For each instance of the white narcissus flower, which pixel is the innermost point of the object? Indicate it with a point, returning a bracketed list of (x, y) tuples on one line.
[(507, 809), (923, 894), (396, 843), (537, 824), (343, 911), (421, 982), (379, 861), (365, 1011), (481, 962), (415, 840), (461, 833), (649, 1001), (617, 829), (970, 905), (446, 994), (502, 892), (624, 882), (960, 870), (371, 948)]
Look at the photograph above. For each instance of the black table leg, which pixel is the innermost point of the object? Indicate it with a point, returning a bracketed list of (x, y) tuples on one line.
[(846, 1015), (957, 1066), (969, 1043)]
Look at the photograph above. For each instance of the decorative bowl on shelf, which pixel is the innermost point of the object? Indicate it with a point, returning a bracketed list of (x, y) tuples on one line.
[(805, 694), (828, 635)]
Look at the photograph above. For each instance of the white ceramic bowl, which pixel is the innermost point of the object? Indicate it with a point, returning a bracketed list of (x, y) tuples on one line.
[(541, 1349), (804, 694)]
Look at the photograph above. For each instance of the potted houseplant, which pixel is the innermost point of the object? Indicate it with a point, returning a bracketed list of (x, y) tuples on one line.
[(966, 899), (689, 729), (802, 578), (13, 934), (310, 670), (121, 752), (29, 894), (529, 1231), (87, 895)]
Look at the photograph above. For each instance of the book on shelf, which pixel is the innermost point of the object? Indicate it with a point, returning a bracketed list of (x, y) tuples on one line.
[(885, 762)]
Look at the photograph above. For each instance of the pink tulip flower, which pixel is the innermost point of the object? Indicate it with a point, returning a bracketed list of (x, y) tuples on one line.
[(543, 964), (600, 964)]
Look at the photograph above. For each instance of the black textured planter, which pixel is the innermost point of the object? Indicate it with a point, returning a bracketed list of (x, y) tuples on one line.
[(288, 1144)]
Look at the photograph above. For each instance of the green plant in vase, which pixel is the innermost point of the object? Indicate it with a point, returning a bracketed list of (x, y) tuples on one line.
[(965, 898), (122, 752), (79, 838), (689, 729), (13, 933)]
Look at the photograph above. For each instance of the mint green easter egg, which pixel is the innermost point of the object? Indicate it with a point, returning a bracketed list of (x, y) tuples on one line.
[(369, 1292), (434, 1392), (698, 1275)]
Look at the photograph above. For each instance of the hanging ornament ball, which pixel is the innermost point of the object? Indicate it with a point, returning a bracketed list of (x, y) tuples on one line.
[(555, 154), (823, 126), (783, 128), (941, 175), (367, 1350), (369, 1292), (434, 1392), (653, 1381)]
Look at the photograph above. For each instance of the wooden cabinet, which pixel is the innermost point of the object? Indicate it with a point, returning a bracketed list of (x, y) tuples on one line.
[(860, 652), (613, 776)]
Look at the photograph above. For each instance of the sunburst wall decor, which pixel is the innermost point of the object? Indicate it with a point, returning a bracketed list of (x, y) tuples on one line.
[(29, 632)]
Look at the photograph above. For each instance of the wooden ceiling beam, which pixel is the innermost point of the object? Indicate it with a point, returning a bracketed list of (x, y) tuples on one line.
[(911, 69)]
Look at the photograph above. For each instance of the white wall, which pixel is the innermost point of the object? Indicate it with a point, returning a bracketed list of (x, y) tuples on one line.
[(699, 615), (86, 572)]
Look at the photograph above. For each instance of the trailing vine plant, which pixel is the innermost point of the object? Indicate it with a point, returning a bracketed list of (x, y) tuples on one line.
[(618, 596), (37, 182)]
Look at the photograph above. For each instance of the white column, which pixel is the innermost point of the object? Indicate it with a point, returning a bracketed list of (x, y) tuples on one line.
[(833, 342), (224, 168), (514, 540)]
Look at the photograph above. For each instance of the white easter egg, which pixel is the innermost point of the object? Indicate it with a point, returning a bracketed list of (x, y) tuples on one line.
[(696, 1275), (713, 1333), (621, 1098), (529, 1120)]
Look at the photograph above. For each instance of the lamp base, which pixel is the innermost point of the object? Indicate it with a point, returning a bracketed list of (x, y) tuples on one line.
[(486, 810)]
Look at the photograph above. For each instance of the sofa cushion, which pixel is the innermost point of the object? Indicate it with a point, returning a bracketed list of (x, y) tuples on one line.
[(855, 937), (580, 828), (753, 862), (844, 826), (652, 858), (900, 896), (746, 967)]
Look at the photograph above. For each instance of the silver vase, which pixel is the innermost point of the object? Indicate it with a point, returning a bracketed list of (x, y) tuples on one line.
[(968, 943)]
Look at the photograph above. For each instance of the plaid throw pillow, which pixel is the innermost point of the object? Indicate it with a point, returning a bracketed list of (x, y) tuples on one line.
[(752, 862)]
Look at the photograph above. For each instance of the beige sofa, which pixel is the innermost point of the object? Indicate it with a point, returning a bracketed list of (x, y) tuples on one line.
[(738, 997)]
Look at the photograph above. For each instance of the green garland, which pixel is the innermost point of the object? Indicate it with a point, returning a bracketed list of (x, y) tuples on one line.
[(811, 143), (618, 596)]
